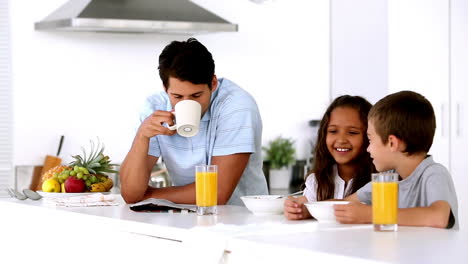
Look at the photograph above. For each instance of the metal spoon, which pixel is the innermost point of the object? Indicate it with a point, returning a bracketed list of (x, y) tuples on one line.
[(287, 195), (14, 193), (32, 194), (11, 193)]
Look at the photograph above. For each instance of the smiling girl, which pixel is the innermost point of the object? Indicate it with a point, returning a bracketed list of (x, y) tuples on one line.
[(342, 164)]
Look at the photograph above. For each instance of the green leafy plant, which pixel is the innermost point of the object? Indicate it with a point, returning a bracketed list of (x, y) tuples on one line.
[(280, 152)]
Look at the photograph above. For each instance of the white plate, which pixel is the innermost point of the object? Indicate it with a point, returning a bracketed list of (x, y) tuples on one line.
[(62, 195)]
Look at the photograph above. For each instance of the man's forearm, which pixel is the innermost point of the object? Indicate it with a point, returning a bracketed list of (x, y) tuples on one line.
[(134, 172), (177, 194)]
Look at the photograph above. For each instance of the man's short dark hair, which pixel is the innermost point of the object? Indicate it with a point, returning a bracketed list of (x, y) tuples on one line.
[(407, 115), (187, 61)]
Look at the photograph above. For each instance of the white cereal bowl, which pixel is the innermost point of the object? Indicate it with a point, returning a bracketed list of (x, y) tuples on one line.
[(323, 211), (264, 204)]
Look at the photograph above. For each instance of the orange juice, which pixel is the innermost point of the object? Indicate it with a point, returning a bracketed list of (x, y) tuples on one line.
[(206, 185), (384, 203)]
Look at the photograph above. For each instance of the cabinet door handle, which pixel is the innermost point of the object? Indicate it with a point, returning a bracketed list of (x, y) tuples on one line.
[(459, 127), (442, 117)]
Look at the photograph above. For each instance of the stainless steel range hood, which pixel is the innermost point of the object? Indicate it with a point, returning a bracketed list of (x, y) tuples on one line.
[(135, 16)]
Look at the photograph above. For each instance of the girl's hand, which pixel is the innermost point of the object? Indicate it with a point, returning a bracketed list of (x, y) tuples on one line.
[(353, 213), (153, 124), (294, 208)]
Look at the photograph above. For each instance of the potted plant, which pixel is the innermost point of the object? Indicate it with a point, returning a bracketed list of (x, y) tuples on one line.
[(280, 153)]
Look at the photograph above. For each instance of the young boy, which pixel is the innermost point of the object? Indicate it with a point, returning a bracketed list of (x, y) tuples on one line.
[(401, 130)]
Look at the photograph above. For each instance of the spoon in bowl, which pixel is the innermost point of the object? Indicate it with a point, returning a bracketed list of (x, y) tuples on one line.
[(287, 195)]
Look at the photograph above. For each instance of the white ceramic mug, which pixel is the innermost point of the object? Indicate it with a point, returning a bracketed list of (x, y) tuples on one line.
[(187, 116)]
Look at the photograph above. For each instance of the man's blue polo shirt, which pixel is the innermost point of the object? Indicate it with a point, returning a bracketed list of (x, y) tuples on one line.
[(231, 125)]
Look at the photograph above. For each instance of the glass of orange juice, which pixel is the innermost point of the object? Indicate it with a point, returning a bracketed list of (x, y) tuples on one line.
[(385, 201), (206, 185)]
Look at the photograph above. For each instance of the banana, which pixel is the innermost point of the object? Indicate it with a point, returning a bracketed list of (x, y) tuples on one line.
[(104, 186), (108, 184), (98, 187)]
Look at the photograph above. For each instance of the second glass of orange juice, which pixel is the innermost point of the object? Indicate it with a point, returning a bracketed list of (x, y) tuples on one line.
[(385, 201), (206, 185)]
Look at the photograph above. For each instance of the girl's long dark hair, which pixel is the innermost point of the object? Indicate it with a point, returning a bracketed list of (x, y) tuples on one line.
[(323, 161)]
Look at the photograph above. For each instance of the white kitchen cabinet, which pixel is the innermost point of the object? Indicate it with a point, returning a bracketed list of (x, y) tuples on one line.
[(458, 102), (418, 52), (358, 48), (427, 53)]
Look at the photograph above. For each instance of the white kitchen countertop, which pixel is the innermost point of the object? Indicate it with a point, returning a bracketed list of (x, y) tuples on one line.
[(358, 245), (234, 235)]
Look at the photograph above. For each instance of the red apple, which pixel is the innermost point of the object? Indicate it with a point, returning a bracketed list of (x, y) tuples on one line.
[(74, 185)]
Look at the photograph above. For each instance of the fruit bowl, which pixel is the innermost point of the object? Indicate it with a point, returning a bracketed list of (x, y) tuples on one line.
[(87, 173), (264, 204), (323, 211)]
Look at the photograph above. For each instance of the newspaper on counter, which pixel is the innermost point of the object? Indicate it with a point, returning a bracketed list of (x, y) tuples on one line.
[(158, 205)]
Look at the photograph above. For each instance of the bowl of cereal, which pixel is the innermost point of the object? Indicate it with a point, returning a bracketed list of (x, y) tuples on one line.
[(264, 204), (323, 211)]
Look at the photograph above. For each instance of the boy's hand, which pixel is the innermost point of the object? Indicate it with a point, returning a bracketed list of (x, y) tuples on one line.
[(294, 208), (353, 213)]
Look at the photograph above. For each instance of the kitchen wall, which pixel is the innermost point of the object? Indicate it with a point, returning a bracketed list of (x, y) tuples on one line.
[(88, 85)]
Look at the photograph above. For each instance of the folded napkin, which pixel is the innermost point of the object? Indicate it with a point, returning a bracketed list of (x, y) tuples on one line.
[(97, 199)]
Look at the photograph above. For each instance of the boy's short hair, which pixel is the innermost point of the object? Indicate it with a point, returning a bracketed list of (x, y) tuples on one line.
[(187, 61), (407, 115)]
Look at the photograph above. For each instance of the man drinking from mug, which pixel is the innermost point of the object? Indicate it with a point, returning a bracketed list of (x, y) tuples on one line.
[(229, 134)]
